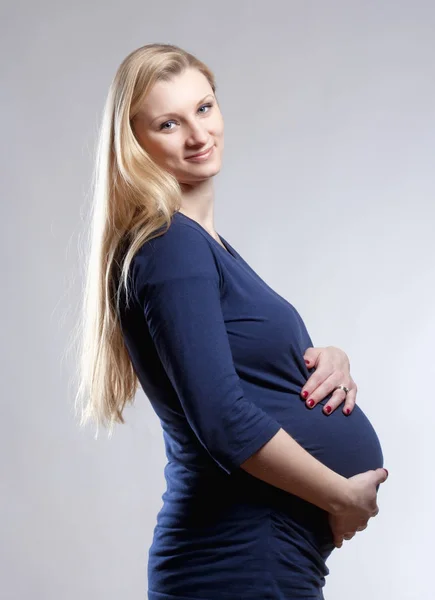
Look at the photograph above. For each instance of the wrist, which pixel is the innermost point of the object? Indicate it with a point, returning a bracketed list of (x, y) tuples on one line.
[(340, 497)]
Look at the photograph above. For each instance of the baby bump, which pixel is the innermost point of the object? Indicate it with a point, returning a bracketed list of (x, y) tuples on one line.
[(347, 444)]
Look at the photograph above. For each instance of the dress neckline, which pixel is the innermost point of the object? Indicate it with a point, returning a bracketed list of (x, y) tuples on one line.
[(225, 247)]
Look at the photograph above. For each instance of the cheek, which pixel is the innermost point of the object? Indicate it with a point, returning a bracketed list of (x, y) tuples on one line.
[(165, 150), (219, 135), (218, 126)]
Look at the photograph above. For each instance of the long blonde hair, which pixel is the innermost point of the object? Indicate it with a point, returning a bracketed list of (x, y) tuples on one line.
[(133, 198)]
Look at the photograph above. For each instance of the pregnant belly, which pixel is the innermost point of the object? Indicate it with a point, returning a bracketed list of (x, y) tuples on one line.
[(347, 444)]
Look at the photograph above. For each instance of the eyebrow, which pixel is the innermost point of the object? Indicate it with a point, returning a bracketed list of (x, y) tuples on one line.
[(173, 113)]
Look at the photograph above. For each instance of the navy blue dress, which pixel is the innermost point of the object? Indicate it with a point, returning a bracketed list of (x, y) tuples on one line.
[(219, 355)]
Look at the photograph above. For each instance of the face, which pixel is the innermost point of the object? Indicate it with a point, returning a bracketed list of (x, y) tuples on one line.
[(180, 118)]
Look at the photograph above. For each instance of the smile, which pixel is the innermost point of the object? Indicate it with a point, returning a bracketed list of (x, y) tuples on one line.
[(203, 156)]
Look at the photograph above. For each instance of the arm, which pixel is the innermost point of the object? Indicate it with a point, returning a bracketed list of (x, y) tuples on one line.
[(177, 282), (283, 463)]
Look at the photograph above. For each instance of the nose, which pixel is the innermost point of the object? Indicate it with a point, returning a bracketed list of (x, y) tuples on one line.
[(197, 135)]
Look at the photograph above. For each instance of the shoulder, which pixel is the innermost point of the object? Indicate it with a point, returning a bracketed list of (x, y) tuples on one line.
[(181, 251)]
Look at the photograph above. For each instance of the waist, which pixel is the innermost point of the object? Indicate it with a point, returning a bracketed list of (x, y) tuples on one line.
[(204, 499)]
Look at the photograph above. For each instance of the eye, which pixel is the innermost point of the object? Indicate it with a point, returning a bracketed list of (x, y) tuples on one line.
[(162, 126), (208, 105)]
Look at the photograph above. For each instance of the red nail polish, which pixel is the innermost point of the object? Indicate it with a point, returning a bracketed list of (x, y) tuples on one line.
[(347, 411), (328, 409), (307, 362), (310, 403), (304, 394)]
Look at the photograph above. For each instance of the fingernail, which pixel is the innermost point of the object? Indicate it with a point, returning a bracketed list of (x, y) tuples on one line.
[(304, 394), (347, 411), (310, 403), (307, 362), (386, 471), (328, 409)]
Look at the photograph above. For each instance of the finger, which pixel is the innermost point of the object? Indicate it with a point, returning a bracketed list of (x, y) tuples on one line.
[(325, 389), (382, 474), (350, 400), (348, 536), (316, 380), (338, 542), (334, 401), (311, 356)]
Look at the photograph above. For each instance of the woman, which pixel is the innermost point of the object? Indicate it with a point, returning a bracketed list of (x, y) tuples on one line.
[(261, 484)]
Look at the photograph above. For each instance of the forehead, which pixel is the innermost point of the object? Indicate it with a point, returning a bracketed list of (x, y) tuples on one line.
[(177, 94)]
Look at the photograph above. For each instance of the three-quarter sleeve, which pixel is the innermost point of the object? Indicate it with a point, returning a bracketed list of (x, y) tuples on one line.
[(177, 282)]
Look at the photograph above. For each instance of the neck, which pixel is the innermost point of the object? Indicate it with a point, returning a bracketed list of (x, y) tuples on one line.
[(198, 203)]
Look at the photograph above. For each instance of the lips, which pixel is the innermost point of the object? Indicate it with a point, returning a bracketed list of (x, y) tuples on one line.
[(200, 153)]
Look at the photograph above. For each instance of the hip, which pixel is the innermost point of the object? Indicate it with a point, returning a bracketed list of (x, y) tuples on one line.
[(257, 549)]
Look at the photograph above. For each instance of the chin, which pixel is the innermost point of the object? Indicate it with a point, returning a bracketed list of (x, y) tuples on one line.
[(199, 174)]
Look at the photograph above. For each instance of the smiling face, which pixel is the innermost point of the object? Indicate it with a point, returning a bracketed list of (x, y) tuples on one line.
[(180, 118)]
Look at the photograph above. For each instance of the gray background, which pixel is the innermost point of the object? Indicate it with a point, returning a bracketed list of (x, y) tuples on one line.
[(328, 176)]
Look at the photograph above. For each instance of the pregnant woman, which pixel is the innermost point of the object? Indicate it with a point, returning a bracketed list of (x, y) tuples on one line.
[(262, 484)]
